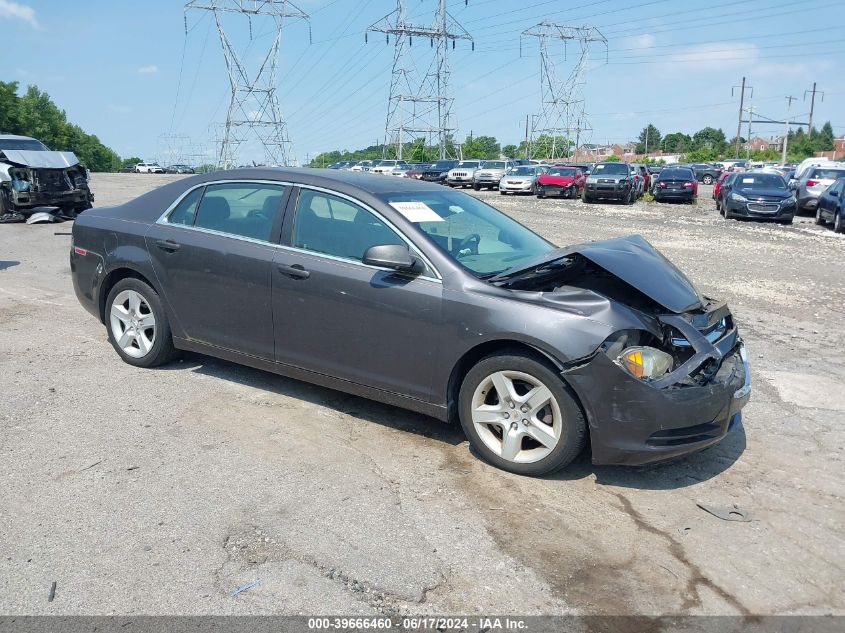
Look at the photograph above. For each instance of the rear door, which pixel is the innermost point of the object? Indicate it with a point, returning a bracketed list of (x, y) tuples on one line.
[(213, 255)]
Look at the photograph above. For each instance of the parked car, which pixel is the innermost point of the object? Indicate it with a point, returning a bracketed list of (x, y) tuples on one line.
[(676, 183), (461, 175), (438, 170), (490, 173), (521, 179), (31, 175), (127, 169), (425, 298), (831, 206), (653, 170), (149, 168), (416, 170), (639, 180), (706, 173), (757, 195), (387, 166), (610, 180), (814, 182), (401, 171), (566, 181), (804, 166), (646, 176), (362, 165), (179, 169), (718, 184)]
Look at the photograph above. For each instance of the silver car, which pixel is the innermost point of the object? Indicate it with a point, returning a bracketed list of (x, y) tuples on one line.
[(522, 179), (814, 183), (387, 166), (461, 175), (490, 173)]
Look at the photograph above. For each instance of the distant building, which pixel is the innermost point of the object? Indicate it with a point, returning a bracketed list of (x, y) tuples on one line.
[(838, 151)]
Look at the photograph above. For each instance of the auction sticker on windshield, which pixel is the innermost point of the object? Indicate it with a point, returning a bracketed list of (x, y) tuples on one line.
[(416, 211)]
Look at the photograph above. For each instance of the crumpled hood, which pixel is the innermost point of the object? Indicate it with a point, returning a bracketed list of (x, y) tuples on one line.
[(637, 263), (47, 160), (556, 180)]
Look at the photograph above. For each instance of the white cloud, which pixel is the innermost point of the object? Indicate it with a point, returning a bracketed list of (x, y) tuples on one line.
[(15, 11), (715, 55), (646, 40), (144, 70)]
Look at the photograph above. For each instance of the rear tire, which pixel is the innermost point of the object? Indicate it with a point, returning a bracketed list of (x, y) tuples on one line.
[(707, 180), (819, 219), (477, 187), (838, 225), (131, 305), (585, 198), (552, 413)]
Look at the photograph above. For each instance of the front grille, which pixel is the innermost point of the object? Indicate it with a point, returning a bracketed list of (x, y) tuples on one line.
[(713, 334), (763, 207), (460, 174)]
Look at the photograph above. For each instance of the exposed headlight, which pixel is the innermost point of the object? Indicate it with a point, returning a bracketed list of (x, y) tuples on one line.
[(736, 197), (592, 179), (645, 363)]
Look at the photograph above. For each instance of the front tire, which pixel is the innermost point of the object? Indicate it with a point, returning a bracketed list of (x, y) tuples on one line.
[(838, 225), (520, 416), (137, 324), (819, 219), (477, 187), (585, 197)]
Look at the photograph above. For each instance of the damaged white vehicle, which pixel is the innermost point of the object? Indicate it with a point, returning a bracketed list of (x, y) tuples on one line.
[(32, 176)]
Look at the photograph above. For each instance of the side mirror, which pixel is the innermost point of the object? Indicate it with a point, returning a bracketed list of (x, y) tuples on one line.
[(394, 256)]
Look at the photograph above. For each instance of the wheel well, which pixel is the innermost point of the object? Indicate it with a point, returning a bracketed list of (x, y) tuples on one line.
[(470, 358), (111, 280)]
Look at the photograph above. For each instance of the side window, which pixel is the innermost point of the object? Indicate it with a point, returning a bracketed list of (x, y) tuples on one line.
[(327, 224), (245, 209), (186, 210)]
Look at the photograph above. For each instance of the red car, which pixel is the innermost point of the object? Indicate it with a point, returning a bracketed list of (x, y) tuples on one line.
[(717, 186), (561, 180)]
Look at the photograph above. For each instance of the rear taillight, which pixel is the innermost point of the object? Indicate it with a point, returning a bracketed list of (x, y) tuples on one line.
[(80, 251), (688, 185), (812, 183)]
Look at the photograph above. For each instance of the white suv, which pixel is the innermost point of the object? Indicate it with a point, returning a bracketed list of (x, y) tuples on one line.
[(149, 168), (387, 166)]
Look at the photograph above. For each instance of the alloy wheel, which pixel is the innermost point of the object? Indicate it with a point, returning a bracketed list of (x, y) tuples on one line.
[(516, 416), (133, 323)]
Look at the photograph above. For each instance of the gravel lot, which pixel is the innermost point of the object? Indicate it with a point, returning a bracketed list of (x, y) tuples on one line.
[(161, 491)]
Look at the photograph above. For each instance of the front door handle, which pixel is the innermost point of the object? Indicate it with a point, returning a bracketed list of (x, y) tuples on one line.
[(294, 271), (168, 245)]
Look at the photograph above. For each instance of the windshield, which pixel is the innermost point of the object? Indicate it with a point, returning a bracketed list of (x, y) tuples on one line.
[(523, 170), (676, 174), (760, 181), (610, 168), (444, 164), (494, 164), (482, 239), (828, 174), (563, 171), (23, 143), (468, 163)]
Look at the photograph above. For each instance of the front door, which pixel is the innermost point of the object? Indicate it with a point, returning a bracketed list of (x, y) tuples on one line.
[(335, 315), (214, 257)]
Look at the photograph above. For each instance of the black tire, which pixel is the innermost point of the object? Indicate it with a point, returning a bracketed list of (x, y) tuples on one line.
[(632, 196), (786, 222), (707, 179), (477, 187), (503, 192), (162, 350), (541, 194), (838, 224), (573, 435), (819, 219), (585, 197)]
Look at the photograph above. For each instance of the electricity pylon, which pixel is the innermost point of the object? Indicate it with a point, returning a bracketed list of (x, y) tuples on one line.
[(562, 109), (420, 104), (253, 106)]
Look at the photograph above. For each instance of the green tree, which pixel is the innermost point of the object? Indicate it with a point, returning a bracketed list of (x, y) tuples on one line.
[(128, 162), (612, 159), (10, 108), (510, 151), (677, 142), (825, 138), (710, 138), (649, 140), (481, 147)]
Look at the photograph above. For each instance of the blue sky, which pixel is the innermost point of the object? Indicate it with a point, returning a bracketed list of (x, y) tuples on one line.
[(117, 67)]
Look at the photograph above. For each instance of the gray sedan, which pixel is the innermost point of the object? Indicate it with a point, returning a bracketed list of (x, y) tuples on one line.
[(425, 298)]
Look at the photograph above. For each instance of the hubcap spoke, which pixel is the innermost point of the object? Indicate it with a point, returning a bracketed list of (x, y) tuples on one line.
[(543, 434), (120, 313), (504, 387), (126, 339), (143, 343), (488, 415), (147, 321), (134, 303), (511, 444), (537, 398)]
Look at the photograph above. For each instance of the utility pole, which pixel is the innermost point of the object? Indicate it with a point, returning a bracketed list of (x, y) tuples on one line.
[(526, 135), (748, 142), (742, 90), (789, 101), (417, 97), (562, 102), (647, 130), (812, 104), (253, 104)]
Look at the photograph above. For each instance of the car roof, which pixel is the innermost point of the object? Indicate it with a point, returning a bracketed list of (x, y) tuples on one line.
[(16, 137)]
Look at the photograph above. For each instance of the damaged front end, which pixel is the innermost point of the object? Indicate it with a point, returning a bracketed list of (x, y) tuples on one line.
[(31, 179), (672, 386)]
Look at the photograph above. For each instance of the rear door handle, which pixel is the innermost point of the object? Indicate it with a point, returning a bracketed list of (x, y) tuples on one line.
[(294, 271), (168, 245)]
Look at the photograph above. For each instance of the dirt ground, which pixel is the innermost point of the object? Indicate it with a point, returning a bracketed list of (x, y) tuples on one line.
[(162, 491)]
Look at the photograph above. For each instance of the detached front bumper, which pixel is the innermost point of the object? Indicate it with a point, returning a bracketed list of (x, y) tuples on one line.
[(635, 422), (31, 199)]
